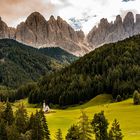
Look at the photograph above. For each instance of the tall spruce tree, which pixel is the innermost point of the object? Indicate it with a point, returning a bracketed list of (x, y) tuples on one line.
[(3, 132), (115, 131), (85, 127), (58, 135), (21, 119), (73, 133), (8, 114), (12, 133), (38, 126), (100, 125), (45, 125)]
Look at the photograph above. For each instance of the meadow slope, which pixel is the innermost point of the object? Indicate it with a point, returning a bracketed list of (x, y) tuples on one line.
[(125, 112)]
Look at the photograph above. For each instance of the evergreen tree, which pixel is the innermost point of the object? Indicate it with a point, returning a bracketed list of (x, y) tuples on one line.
[(21, 119), (136, 98), (58, 135), (8, 114), (31, 121), (100, 125), (45, 125), (36, 127), (115, 131), (12, 133), (118, 98), (73, 133), (3, 132), (85, 127)]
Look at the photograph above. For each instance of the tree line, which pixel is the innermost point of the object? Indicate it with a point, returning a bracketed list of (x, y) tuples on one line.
[(113, 68), (21, 127)]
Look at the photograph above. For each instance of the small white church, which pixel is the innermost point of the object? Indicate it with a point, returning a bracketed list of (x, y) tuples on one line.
[(46, 108)]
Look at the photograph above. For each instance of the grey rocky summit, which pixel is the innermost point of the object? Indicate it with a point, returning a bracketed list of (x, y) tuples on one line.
[(114, 31)]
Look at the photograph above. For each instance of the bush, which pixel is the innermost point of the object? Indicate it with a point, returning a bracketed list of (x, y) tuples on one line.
[(118, 98), (136, 97)]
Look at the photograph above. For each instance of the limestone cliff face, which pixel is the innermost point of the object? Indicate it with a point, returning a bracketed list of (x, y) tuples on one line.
[(112, 32), (12, 32), (137, 24), (98, 35), (128, 24), (4, 31), (33, 31), (38, 32), (81, 35)]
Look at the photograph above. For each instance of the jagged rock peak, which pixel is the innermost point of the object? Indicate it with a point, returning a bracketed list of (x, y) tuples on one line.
[(129, 18), (128, 23), (35, 17), (35, 14), (59, 18), (118, 19), (104, 21), (52, 18)]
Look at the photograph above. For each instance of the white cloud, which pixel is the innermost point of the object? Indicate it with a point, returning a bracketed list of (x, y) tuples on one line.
[(67, 9), (102, 8)]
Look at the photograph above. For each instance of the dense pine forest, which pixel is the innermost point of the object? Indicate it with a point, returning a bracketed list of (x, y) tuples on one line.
[(113, 68), (20, 64), (59, 54)]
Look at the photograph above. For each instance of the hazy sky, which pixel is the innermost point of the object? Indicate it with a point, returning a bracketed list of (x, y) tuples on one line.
[(86, 13)]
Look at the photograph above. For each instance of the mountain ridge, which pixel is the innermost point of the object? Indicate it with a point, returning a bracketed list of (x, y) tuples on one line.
[(38, 32), (109, 32)]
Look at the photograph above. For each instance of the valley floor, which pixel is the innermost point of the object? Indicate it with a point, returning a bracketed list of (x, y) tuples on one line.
[(125, 112)]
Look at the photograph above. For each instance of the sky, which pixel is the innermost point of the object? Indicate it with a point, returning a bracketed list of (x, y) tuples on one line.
[(81, 14)]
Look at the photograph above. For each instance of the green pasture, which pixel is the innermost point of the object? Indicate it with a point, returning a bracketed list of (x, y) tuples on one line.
[(125, 112)]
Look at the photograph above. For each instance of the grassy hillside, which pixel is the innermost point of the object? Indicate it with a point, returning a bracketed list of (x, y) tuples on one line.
[(98, 100), (125, 112), (113, 68), (20, 64)]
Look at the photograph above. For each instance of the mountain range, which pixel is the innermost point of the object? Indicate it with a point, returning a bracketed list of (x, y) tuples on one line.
[(112, 32), (36, 31), (39, 33)]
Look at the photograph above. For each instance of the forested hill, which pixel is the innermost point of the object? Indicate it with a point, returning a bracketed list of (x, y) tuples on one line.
[(59, 54), (20, 64), (113, 68)]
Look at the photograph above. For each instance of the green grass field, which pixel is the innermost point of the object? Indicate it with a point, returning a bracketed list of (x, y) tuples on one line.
[(125, 112)]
